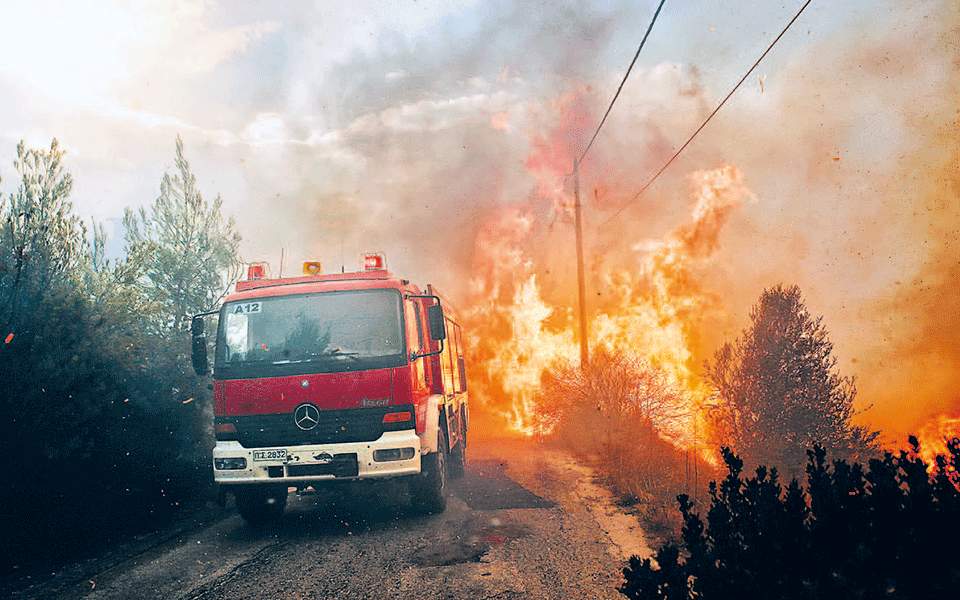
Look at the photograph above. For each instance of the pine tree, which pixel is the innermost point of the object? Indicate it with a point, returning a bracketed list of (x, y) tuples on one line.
[(42, 242), (779, 390), (191, 250), (93, 364)]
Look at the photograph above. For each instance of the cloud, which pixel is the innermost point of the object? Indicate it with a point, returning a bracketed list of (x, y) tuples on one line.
[(434, 114), (266, 128), (210, 48)]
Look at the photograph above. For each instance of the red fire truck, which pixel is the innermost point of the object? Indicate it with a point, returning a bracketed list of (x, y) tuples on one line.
[(321, 378)]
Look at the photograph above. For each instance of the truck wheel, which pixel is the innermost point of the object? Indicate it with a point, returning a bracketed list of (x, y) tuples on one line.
[(428, 491), (458, 458), (259, 506)]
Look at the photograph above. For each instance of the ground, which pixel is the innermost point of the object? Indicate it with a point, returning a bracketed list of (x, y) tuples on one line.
[(525, 522)]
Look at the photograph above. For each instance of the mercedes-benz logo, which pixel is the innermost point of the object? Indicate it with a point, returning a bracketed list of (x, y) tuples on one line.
[(306, 416), (324, 458)]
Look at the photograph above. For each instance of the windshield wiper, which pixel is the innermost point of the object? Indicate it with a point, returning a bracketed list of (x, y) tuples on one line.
[(331, 353), (345, 353)]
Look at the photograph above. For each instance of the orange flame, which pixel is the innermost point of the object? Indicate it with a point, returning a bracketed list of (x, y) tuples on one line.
[(651, 307), (933, 436)]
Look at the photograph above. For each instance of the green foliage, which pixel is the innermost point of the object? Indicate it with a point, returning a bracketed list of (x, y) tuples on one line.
[(102, 423), (878, 532), (42, 243), (779, 390), (189, 250)]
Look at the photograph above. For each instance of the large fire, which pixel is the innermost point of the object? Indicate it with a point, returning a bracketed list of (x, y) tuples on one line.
[(871, 239), (651, 306)]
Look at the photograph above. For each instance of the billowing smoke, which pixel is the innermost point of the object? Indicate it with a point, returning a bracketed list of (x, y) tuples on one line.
[(836, 169)]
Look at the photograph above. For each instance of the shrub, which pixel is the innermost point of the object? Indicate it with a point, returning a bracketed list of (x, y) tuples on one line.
[(885, 531), (618, 412)]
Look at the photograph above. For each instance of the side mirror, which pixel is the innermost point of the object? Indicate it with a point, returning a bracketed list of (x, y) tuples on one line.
[(197, 326), (438, 329), (435, 324), (199, 346)]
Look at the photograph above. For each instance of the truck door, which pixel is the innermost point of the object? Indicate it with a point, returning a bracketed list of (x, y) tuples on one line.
[(415, 344)]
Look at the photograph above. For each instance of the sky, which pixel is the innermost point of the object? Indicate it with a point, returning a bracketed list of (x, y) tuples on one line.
[(331, 129), (245, 82)]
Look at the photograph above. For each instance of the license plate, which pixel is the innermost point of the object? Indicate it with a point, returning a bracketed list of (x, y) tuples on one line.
[(269, 455)]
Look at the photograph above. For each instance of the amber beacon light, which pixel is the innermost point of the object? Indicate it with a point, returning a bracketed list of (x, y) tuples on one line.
[(312, 267)]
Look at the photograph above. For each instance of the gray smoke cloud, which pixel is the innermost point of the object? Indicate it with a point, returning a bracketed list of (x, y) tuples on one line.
[(425, 141)]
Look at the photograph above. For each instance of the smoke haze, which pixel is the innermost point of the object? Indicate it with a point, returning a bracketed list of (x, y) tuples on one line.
[(444, 137)]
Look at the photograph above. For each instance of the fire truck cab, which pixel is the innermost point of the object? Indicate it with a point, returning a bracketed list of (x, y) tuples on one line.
[(324, 378)]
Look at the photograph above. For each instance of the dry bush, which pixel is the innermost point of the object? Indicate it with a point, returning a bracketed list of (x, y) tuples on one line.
[(617, 413)]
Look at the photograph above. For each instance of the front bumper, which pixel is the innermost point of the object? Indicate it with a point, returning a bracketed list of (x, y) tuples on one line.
[(302, 459)]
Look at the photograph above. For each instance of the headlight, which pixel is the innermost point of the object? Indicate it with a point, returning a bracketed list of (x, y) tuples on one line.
[(393, 454), (229, 464)]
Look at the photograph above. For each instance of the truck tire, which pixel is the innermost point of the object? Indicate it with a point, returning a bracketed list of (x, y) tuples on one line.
[(457, 463), (261, 505), (428, 491)]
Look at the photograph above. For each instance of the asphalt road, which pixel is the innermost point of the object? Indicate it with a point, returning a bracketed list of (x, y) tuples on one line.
[(525, 522)]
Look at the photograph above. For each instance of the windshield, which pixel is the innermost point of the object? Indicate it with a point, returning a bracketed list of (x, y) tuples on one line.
[(333, 331)]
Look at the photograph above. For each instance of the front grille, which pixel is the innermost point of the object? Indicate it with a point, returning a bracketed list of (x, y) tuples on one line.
[(353, 425), (343, 465)]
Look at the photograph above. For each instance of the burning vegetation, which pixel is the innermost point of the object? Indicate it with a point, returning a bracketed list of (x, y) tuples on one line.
[(672, 300), (651, 308), (934, 438), (856, 175), (650, 315), (666, 303)]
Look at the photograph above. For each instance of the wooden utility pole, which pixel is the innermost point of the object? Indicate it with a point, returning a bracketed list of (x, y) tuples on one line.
[(581, 283)]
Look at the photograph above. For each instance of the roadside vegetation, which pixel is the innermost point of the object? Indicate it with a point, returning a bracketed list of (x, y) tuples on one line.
[(104, 426), (865, 524), (775, 392), (878, 530), (617, 415)]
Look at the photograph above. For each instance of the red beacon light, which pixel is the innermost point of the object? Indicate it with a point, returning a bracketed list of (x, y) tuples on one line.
[(257, 270), (374, 261)]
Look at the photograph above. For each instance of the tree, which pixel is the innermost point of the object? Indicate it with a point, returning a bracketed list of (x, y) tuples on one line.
[(191, 250), (619, 386), (43, 243), (98, 397), (779, 390)]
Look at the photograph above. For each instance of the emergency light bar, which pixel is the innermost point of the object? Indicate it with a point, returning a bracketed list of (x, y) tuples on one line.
[(374, 261), (257, 270), (312, 267)]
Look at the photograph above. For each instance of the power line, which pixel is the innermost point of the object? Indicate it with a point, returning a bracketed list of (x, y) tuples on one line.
[(581, 277), (710, 116), (625, 76)]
